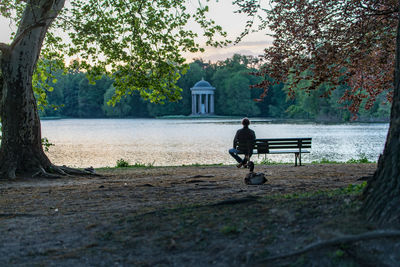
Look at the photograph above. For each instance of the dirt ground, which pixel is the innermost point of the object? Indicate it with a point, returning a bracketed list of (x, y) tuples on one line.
[(189, 216)]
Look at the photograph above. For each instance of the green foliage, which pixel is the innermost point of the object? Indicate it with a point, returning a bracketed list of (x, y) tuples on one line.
[(139, 44), (325, 161), (355, 189), (70, 88), (277, 102), (121, 109), (184, 105), (73, 95), (121, 163), (46, 144), (326, 104), (91, 97), (142, 165), (44, 79), (362, 159), (312, 104), (233, 94)]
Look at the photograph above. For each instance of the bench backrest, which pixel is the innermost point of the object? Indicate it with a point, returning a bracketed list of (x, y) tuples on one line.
[(265, 145)]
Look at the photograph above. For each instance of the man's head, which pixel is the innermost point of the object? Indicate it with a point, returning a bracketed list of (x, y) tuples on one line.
[(245, 122)]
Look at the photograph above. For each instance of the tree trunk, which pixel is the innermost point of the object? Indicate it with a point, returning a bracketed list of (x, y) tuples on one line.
[(382, 194), (21, 150)]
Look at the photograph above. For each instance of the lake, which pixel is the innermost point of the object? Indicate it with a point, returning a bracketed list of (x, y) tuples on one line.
[(170, 142)]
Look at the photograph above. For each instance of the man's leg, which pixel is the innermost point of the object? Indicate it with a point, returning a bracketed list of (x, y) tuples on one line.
[(246, 159), (234, 153)]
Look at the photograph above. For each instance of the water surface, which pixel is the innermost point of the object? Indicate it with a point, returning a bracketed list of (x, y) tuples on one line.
[(101, 142)]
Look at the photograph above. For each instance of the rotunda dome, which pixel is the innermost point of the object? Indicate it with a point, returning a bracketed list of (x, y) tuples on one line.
[(202, 85)]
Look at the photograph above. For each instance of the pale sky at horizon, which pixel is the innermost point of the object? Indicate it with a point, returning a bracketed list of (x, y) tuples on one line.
[(223, 14)]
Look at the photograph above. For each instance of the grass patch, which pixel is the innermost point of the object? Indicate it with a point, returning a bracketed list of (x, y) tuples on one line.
[(121, 163), (362, 158), (325, 161), (266, 161), (348, 190)]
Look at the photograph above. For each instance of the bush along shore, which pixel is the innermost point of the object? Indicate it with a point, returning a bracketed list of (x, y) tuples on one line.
[(194, 216)]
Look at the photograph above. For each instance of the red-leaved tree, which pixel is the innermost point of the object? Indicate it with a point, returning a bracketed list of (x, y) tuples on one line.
[(335, 43)]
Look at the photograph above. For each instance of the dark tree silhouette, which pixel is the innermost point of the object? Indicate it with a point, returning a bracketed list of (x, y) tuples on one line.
[(333, 43)]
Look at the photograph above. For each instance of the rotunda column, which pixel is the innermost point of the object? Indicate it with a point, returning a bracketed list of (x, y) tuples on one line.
[(193, 104), (212, 104), (206, 95), (200, 100)]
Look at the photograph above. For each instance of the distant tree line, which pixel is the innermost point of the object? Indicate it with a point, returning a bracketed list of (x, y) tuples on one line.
[(74, 96)]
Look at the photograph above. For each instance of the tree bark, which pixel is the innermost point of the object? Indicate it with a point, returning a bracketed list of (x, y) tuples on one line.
[(21, 150), (382, 194)]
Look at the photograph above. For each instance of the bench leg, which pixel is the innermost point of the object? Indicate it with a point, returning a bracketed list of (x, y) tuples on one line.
[(297, 156)]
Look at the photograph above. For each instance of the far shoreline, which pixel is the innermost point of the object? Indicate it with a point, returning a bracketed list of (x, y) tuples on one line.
[(254, 120)]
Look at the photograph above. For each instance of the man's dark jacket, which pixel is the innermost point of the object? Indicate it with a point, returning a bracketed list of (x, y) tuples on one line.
[(245, 135)]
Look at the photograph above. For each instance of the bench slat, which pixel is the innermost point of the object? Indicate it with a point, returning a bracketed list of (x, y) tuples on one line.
[(286, 146), (282, 142), (284, 139), (288, 151), (296, 146)]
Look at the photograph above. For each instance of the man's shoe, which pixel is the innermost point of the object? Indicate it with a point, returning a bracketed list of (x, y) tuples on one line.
[(239, 165)]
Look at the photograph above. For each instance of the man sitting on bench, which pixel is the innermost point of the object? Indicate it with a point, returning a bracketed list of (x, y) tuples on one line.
[(243, 136)]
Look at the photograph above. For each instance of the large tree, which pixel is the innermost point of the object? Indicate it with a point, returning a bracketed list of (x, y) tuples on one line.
[(334, 43), (137, 42)]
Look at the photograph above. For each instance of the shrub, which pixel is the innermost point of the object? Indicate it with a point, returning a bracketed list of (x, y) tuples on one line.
[(121, 163), (46, 144), (362, 159)]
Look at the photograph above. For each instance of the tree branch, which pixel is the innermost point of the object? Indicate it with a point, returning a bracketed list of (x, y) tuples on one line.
[(4, 47), (338, 241), (28, 29), (378, 12)]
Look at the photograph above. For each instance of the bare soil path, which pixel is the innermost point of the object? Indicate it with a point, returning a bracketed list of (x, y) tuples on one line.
[(185, 216)]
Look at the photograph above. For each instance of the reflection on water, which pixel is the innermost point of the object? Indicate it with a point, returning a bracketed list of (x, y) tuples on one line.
[(101, 142)]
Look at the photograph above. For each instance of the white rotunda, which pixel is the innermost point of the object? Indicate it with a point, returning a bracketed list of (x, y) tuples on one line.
[(202, 98)]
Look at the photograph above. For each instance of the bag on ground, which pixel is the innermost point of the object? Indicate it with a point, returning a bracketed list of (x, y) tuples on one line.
[(254, 178)]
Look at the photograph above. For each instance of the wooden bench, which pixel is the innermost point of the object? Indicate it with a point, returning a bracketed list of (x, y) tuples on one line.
[(297, 146)]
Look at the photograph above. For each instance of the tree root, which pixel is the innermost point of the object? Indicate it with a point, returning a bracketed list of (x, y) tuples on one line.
[(87, 171), (58, 171), (42, 173), (338, 241)]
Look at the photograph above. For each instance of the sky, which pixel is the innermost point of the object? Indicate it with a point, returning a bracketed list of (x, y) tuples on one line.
[(222, 12)]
